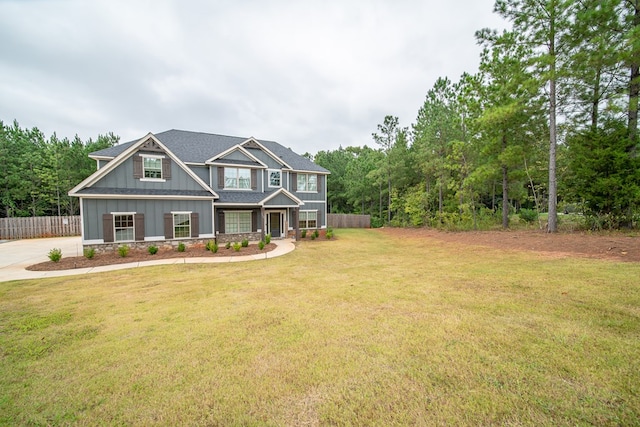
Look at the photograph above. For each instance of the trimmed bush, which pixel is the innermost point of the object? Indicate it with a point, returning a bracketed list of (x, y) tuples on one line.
[(261, 245), (152, 249), (528, 215), (304, 234), (316, 233), (228, 245), (89, 253), (181, 247), (245, 243), (237, 246), (55, 254), (123, 250), (267, 238), (329, 234), (313, 236)]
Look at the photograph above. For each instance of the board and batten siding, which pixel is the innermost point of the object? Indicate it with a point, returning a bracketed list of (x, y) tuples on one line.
[(123, 177), (153, 211)]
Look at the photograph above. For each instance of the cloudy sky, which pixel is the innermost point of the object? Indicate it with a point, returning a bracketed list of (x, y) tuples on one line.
[(312, 75)]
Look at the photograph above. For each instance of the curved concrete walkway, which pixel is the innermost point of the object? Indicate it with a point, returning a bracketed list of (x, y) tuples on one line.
[(17, 255)]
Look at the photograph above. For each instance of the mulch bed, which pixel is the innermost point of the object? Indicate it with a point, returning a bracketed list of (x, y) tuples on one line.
[(135, 255)]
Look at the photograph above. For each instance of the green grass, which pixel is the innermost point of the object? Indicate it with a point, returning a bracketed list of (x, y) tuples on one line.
[(362, 330)]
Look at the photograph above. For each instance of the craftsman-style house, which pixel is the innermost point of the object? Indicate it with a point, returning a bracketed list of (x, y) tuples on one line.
[(193, 187)]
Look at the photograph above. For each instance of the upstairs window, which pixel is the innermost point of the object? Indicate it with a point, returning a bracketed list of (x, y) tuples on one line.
[(152, 167), (275, 178), (237, 178), (307, 182)]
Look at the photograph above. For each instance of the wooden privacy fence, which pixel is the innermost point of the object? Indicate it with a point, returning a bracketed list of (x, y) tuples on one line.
[(39, 226), (348, 221)]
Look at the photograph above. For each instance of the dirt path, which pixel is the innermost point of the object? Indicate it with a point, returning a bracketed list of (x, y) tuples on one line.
[(612, 246)]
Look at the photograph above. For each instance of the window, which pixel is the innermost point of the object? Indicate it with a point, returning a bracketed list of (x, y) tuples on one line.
[(237, 222), (307, 182), (308, 219), (237, 178), (275, 178), (152, 167), (123, 227), (181, 225)]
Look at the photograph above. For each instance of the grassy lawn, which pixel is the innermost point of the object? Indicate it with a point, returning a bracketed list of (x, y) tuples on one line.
[(363, 330)]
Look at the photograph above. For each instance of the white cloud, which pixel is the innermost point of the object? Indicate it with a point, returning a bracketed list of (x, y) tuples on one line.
[(311, 75)]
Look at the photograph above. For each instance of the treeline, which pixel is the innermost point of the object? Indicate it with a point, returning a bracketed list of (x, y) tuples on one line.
[(548, 124), (37, 173)]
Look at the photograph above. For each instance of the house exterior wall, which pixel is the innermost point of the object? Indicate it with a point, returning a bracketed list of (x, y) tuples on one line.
[(201, 171), (122, 177), (265, 158), (153, 210)]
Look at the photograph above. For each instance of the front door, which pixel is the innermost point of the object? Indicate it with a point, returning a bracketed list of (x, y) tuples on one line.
[(275, 224)]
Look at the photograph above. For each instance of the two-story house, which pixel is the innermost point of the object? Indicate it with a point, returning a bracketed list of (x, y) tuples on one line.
[(190, 186)]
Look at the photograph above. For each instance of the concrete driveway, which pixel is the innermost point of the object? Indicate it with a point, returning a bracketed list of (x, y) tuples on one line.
[(16, 255)]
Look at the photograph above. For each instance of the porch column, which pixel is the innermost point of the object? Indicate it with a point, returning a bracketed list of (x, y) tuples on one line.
[(296, 222), (263, 218)]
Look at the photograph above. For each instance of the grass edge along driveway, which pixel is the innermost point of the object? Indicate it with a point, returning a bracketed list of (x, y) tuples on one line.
[(364, 330)]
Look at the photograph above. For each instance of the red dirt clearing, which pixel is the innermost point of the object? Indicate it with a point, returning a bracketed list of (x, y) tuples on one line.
[(615, 246)]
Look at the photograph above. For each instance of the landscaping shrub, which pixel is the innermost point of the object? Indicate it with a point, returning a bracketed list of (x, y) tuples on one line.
[(528, 215), (237, 246), (329, 234), (316, 233), (245, 243), (89, 253), (261, 245), (123, 250), (304, 234), (181, 247), (55, 254), (212, 246), (267, 239), (228, 245), (152, 249), (313, 236)]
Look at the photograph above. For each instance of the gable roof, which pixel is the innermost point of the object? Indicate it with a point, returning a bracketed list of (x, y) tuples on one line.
[(128, 151), (198, 147)]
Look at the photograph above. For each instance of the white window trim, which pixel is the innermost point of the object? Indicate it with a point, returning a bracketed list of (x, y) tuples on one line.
[(269, 178), (173, 216), (237, 178), (238, 212), (113, 223), (307, 220), (307, 175), (152, 156)]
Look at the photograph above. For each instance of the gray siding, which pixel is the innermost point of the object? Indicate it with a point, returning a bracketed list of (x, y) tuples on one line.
[(264, 158), (281, 200), (202, 172), (321, 208), (319, 196), (122, 177), (153, 211), (236, 155)]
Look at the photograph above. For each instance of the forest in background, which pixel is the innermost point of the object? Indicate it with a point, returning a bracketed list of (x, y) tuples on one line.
[(548, 124), (39, 172)]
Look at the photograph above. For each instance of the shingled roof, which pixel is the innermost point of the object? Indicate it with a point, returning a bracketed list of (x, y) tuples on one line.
[(198, 147)]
